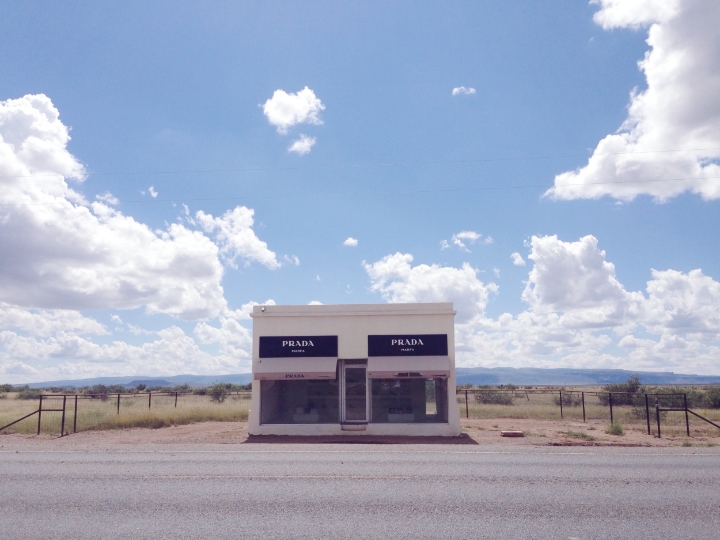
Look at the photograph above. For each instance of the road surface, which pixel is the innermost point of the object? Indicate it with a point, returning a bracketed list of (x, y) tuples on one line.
[(358, 491)]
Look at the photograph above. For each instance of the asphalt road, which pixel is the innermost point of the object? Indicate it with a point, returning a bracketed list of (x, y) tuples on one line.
[(344, 491)]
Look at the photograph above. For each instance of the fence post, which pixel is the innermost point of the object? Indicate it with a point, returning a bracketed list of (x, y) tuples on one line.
[(149, 400), (647, 412), (610, 401), (657, 414), (582, 397), (467, 408), (176, 400), (62, 422), (561, 411), (118, 404), (75, 415), (687, 420), (39, 414)]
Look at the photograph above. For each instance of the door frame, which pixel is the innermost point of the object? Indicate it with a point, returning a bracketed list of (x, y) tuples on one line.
[(353, 364)]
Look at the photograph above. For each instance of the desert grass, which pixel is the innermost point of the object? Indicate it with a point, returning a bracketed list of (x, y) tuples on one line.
[(135, 411)]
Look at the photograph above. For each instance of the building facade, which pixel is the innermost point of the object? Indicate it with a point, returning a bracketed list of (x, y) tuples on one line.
[(375, 369)]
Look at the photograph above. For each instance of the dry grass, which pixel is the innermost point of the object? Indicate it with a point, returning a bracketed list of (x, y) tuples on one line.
[(96, 414)]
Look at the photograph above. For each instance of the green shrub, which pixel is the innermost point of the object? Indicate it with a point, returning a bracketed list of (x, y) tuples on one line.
[(631, 386), (615, 428), (6, 387), (568, 400), (218, 392), (494, 398), (29, 393), (712, 398)]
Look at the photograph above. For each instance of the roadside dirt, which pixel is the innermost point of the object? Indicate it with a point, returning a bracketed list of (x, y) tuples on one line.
[(483, 432)]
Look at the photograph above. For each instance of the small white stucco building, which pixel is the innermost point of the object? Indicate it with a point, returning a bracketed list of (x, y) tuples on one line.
[(375, 369)]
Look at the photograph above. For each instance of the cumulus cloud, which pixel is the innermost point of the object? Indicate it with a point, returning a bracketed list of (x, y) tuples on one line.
[(40, 322), (397, 280), (152, 192), (236, 237), (573, 278), (578, 314), (350, 241), (284, 110), (670, 141), (61, 252), (303, 145), (517, 259), (67, 355), (462, 239), (462, 91), (107, 198)]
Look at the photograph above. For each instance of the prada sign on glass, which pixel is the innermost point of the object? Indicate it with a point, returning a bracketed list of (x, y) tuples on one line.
[(408, 345), (298, 346)]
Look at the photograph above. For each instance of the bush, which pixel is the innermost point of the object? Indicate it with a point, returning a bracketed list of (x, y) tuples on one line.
[(29, 393), (631, 386), (218, 392), (568, 400), (494, 398), (615, 428), (6, 387), (3, 395), (712, 398)]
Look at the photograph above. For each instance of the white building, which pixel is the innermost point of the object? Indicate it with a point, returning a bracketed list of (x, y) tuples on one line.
[(375, 369)]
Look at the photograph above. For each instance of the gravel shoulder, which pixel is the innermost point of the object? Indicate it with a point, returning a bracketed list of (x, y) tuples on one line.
[(539, 433)]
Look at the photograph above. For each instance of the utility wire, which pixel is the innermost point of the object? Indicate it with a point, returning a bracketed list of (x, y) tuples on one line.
[(359, 165), (399, 192)]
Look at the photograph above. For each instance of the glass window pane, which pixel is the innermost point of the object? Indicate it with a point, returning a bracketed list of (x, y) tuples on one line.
[(409, 400), (299, 402), (355, 394)]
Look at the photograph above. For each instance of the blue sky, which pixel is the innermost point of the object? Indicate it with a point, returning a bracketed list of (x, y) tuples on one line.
[(202, 100)]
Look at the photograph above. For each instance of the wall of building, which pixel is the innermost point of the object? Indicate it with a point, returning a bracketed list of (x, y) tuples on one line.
[(352, 323)]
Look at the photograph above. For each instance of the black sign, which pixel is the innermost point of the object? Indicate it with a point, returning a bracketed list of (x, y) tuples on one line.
[(408, 345), (298, 346)]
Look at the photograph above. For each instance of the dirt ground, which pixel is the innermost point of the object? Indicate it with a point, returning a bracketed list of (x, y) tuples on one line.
[(482, 432)]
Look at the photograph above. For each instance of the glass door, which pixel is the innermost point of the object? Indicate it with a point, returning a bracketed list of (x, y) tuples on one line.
[(354, 392)]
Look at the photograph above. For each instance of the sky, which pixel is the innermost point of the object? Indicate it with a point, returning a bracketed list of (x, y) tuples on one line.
[(552, 168)]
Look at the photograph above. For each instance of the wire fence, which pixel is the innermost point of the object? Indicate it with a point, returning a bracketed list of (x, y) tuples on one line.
[(655, 413), (69, 413)]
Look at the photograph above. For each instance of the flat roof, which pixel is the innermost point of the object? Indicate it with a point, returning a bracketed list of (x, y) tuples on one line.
[(329, 310)]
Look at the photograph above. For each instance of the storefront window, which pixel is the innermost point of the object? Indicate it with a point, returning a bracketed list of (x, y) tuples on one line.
[(299, 402), (409, 400)]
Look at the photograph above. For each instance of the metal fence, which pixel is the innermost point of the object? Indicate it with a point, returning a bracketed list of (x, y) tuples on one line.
[(655, 413), (62, 414)]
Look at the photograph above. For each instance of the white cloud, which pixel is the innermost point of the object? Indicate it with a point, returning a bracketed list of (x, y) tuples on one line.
[(284, 110), (670, 142), (683, 304), (315, 303), (66, 355), (350, 241), (244, 312), (574, 278), (152, 192), (303, 145), (398, 281), (292, 259), (236, 237), (40, 322), (462, 91), (462, 239), (517, 259), (107, 198), (233, 339), (61, 252)]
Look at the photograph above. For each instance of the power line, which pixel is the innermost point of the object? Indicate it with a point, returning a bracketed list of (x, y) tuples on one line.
[(359, 165), (399, 192)]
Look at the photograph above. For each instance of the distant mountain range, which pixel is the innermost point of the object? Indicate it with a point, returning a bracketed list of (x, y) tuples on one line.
[(574, 377), (475, 376)]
